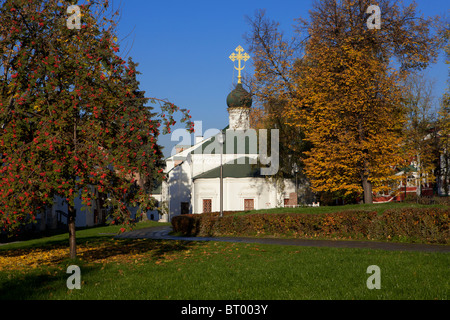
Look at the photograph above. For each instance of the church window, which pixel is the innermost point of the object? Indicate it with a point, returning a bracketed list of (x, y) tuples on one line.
[(249, 204), (207, 205)]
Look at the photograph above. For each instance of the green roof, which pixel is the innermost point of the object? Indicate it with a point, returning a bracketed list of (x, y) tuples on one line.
[(233, 169), (239, 147), (239, 98), (408, 168)]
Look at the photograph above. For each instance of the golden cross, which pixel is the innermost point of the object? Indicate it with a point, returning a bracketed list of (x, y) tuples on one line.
[(239, 57)]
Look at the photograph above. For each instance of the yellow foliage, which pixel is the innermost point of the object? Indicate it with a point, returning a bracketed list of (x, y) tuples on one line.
[(340, 91), (107, 251), (353, 116)]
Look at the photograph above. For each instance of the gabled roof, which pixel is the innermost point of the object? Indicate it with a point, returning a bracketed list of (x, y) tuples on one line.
[(229, 147), (406, 169), (191, 149), (233, 169)]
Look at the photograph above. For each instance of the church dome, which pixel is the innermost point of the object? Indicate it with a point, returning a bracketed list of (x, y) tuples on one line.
[(239, 98)]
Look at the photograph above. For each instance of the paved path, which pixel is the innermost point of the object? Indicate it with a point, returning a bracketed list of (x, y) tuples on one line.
[(162, 233)]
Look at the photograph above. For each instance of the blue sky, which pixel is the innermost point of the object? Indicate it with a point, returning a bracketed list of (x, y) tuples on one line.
[(182, 48)]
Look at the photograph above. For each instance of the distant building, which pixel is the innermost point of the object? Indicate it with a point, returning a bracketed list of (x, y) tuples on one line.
[(413, 183)]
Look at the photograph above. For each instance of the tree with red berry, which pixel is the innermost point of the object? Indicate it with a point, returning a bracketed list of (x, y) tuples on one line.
[(73, 122)]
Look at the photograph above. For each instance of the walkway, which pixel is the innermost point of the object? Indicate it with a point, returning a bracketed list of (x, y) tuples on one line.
[(162, 233)]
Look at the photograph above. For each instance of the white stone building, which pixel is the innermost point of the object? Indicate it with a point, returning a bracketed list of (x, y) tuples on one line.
[(193, 173)]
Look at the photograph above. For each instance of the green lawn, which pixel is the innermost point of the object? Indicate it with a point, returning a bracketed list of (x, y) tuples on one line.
[(156, 269), (83, 234)]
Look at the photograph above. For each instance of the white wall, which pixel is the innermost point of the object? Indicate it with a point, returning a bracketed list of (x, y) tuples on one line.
[(178, 188), (239, 118), (84, 218), (264, 193)]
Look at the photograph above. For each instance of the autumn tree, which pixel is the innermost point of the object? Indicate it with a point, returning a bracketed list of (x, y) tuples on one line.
[(273, 87), (345, 91), (421, 126), (73, 120), (444, 123), (353, 92)]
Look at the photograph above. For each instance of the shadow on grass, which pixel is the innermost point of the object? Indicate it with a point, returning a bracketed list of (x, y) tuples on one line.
[(149, 248), (38, 284), (29, 283)]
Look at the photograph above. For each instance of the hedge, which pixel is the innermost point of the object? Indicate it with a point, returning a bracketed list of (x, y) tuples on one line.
[(425, 225), (429, 225)]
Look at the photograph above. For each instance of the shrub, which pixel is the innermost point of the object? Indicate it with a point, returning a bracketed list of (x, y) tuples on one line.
[(426, 225), (428, 200), (429, 225), (196, 224), (188, 224), (347, 224)]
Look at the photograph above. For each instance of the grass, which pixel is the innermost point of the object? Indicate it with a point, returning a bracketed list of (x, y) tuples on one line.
[(175, 270), (378, 207), (82, 235)]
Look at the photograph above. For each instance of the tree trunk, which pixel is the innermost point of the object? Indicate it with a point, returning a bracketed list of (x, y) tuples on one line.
[(72, 232), (367, 187)]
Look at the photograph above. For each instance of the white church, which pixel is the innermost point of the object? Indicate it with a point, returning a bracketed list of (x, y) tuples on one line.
[(194, 185)]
